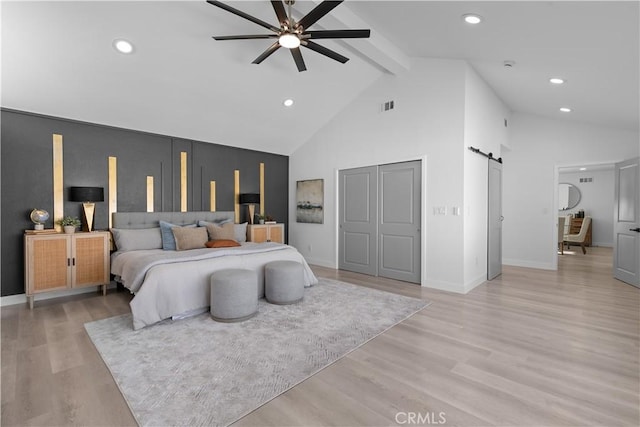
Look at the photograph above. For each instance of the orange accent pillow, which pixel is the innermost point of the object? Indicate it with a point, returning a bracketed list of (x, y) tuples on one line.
[(221, 243)]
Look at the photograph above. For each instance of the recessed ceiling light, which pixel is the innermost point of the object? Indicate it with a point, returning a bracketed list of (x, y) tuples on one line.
[(556, 80), (472, 18), (583, 169), (565, 109), (123, 46), (288, 102)]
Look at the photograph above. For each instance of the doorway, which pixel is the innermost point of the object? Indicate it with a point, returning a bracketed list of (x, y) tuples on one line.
[(608, 194), (379, 220)]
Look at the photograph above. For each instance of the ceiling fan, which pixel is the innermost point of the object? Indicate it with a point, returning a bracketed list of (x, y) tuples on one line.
[(292, 34)]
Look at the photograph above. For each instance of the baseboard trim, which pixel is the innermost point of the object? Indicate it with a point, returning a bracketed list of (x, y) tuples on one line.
[(527, 264), (22, 298), (320, 262), (475, 282), (442, 285)]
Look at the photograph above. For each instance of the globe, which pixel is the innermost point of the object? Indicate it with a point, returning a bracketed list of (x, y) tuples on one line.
[(39, 217)]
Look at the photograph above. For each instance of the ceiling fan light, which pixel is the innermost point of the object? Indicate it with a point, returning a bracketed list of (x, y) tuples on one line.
[(289, 41)]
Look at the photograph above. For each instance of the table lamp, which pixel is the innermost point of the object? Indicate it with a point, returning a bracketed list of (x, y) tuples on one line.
[(250, 199), (87, 195)]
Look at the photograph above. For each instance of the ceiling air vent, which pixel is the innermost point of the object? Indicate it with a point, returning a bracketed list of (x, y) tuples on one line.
[(387, 106), (586, 179)]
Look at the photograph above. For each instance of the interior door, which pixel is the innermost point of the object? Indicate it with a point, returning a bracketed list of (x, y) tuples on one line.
[(358, 222), (494, 219), (399, 221), (626, 238)]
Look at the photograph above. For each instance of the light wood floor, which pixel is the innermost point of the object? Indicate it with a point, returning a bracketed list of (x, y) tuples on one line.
[(531, 348)]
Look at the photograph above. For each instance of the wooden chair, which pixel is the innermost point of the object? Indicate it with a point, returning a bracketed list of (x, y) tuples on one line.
[(581, 237)]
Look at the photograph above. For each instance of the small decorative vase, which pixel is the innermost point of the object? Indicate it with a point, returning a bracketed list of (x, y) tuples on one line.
[(261, 221), (69, 229)]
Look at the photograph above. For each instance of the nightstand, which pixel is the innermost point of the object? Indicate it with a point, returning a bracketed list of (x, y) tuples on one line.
[(260, 233), (65, 261)]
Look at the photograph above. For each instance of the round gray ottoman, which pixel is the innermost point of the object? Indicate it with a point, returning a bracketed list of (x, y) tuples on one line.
[(234, 295), (283, 282)]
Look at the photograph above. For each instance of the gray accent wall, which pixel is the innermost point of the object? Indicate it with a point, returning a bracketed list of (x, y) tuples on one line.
[(27, 171)]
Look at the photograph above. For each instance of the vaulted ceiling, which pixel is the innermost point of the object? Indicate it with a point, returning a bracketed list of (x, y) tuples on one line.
[(58, 59)]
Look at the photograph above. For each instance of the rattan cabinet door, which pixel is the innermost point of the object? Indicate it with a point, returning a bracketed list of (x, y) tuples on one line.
[(47, 262), (276, 233), (258, 233), (90, 259)]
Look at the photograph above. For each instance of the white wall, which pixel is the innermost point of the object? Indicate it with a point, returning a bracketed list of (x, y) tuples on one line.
[(428, 120), (441, 108), (484, 128), (596, 200), (538, 147)]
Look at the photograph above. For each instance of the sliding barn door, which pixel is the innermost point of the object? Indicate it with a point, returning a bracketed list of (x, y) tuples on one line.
[(358, 222), (399, 221), (626, 223), (494, 219)]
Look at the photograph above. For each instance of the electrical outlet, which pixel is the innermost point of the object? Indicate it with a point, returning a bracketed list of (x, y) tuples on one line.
[(309, 248)]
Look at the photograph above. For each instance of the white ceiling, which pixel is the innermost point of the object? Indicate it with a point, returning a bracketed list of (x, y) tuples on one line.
[(58, 59)]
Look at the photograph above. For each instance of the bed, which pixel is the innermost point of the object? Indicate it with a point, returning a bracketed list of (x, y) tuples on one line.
[(175, 283)]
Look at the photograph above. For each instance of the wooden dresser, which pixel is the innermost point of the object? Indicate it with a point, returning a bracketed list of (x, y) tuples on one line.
[(576, 224)]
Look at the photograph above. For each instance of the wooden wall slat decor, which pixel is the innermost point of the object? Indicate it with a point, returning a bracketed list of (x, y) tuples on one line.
[(119, 160)]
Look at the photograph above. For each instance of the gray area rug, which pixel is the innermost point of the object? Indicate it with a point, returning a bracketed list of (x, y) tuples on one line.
[(200, 372)]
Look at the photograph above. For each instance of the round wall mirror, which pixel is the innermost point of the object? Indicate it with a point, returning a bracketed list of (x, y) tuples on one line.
[(568, 196)]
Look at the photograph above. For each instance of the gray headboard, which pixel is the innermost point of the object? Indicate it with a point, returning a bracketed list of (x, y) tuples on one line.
[(152, 219)]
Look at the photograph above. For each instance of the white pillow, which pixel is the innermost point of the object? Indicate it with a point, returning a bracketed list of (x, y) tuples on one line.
[(137, 239)]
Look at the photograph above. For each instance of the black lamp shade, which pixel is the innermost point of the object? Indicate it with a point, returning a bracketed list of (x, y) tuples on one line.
[(249, 199), (86, 194)]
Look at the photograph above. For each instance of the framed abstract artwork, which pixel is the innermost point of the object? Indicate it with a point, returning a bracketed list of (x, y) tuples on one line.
[(310, 201)]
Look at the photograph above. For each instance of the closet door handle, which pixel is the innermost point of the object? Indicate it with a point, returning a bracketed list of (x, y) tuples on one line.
[(74, 262), (637, 230), (68, 262)]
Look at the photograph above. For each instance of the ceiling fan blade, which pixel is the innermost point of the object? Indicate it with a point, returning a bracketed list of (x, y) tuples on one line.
[(338, 34), (324, 51), (243, 15), (246, 37), (266, 53), (318, 12), (297, 56), (278, 7)]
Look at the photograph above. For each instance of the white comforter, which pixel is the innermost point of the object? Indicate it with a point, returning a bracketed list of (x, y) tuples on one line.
[(171, 283)]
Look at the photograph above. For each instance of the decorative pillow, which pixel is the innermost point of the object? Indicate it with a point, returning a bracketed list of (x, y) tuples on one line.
[(137, 239), (222, 243), (189, 237), (218, 232), (240, 232), (216, 222), (168, 240)]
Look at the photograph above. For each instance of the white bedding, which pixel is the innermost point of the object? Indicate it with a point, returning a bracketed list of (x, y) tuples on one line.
[(169, 283)]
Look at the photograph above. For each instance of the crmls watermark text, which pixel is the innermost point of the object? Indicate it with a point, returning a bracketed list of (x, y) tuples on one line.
[(421, 418)]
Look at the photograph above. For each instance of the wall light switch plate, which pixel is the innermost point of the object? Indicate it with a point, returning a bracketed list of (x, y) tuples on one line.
[(439, 210)]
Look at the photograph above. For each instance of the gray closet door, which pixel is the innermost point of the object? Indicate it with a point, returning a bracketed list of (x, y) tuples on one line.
[(626, 222), (358, 222), (399, 221), (494, 219)]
